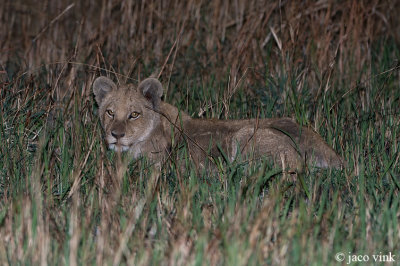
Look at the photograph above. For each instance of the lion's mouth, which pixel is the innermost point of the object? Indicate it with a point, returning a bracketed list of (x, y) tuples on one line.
[(118, 148)]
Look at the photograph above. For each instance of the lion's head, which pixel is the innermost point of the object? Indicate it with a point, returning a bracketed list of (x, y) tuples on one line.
[(128, 114)]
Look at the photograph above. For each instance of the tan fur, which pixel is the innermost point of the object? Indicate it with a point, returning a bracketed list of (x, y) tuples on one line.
[(150, 134)]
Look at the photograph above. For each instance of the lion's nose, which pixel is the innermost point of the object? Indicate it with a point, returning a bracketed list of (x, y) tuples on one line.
[(116, 134)]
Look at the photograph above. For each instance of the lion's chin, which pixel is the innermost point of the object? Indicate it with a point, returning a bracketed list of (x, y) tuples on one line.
[(118, 148)]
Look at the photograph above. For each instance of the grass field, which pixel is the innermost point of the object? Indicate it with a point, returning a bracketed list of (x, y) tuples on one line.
[(64, 198)]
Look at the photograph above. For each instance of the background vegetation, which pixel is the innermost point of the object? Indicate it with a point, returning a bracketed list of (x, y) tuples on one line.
[(332, 65)]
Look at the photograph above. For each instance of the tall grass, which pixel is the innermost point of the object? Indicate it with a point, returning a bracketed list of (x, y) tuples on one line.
[(66, 199)]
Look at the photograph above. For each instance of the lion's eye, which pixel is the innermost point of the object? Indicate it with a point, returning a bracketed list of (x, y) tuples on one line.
[(134, 115), (110, 113)]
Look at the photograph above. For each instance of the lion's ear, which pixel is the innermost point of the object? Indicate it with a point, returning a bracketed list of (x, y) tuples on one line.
[(101, 87), (152, 90)]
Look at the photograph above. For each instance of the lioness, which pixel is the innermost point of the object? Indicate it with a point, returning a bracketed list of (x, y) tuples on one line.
[(136, 120)]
